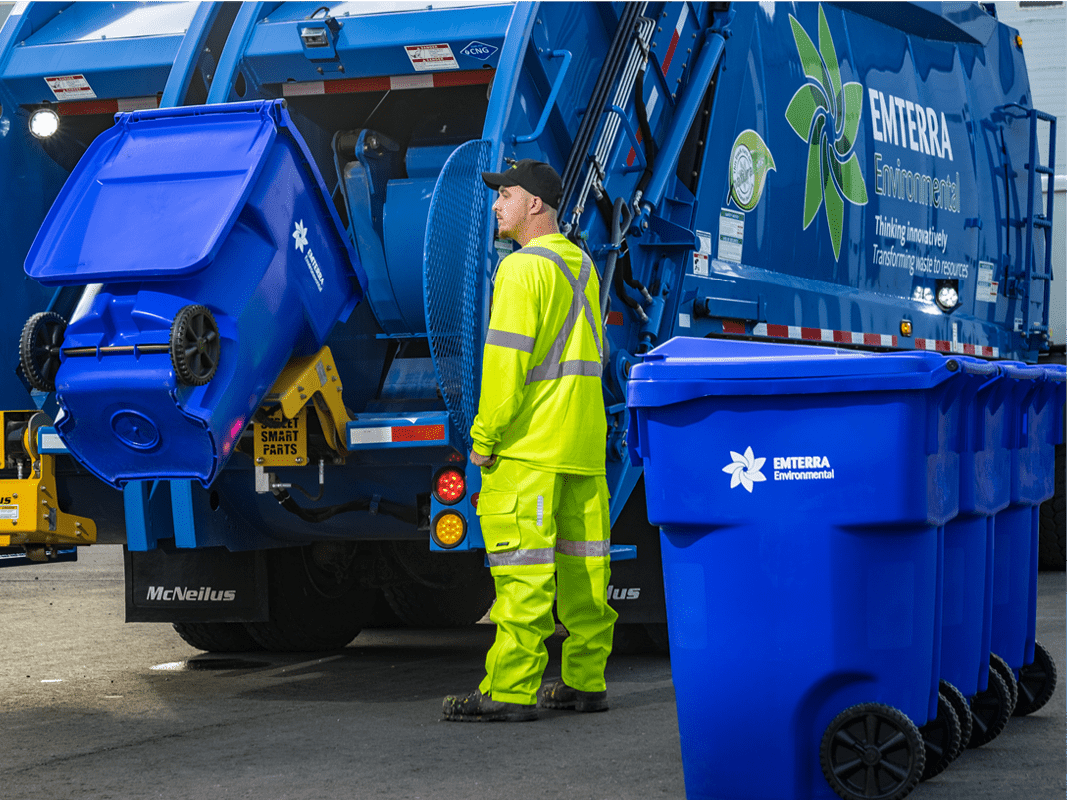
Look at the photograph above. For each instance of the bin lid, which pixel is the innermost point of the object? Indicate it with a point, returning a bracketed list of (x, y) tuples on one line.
[(686, 368), (154, 196)]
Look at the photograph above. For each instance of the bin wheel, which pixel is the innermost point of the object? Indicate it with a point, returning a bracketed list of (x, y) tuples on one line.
[(941, 738), (963, 714), (1037, 682), (990, 711), (39, 346), (872, 752), (194, 345), (1001, 666)]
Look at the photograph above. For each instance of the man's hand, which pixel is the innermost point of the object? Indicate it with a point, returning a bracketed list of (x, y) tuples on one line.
[(482, 461)]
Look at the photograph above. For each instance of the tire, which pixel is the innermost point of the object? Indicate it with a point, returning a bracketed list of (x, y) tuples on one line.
[(194, 345), (1001, 666), (39, 349), (443, 590), (1052, 543), (963, 714), (316, 601), (1037, 682), (380, 614), (217, 637), (872, 752), (420, 606), (639, 639), (990, 711), (941, 739)]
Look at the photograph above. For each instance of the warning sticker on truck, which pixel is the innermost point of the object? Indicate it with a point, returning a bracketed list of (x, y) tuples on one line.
[(431, 57), (70, 87), (987, 287), (731, 235), (9, 512)]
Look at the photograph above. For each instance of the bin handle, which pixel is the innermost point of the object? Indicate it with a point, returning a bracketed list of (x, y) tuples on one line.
[(556, 85), (978, 367)]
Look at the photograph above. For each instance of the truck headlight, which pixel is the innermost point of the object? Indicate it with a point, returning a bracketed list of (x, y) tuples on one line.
[(44, 122)]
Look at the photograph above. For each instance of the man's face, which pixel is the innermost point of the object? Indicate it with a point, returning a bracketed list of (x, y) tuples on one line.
[(512, 209)]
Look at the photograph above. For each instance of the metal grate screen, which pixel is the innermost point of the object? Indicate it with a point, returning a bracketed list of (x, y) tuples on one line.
[(455, 259)]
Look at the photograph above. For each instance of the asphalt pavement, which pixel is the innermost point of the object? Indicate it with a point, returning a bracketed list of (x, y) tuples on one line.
[(91, 707)]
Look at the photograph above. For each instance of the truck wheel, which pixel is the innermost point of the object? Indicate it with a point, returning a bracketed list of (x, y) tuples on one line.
[(316, 601), (640, 638), (1037, 682), (217, 637), (443, 590), (1052, 546), (420, 606), (39, 345)]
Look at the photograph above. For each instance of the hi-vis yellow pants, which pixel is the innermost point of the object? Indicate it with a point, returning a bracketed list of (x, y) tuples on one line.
[(546, 534)]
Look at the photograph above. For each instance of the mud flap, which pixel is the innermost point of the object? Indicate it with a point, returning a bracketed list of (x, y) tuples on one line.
[(203, 585), (636, 590)]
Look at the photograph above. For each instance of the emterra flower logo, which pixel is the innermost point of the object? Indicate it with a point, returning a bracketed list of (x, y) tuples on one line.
[(826, 114), (745, 469)]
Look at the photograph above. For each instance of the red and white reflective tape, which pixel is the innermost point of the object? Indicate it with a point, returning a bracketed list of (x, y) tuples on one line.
[(653, 97), (388, 434), (943, 346), (675, 37), (821, 335), (77, 108), (385, 83)]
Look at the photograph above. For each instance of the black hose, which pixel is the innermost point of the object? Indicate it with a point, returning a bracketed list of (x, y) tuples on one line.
[(597, 100), (315, 515)]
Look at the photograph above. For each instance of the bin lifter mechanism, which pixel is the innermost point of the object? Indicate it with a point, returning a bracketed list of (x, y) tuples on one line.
[(30, 515)]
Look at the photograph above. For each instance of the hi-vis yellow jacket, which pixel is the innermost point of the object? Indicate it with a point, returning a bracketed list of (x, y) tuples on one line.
[(541, 401)]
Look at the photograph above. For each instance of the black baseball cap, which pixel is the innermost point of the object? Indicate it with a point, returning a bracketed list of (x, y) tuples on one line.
[(536, 177)]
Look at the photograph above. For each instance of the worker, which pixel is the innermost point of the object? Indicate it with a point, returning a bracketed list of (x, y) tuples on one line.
[(539, 437)]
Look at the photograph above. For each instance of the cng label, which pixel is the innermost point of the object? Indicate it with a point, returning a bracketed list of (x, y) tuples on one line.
[(745, 469), (479, 50)]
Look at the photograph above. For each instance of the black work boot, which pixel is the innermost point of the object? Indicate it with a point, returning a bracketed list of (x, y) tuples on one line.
[(477, 707), (557, 694)]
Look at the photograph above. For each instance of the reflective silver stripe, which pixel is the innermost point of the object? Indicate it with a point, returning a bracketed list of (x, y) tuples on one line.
[(514, 341), (583, 549), (523, 558), (589, 368), (552, 368)]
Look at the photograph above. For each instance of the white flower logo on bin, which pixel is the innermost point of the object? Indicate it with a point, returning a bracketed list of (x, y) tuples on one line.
[(745, 469), (300, 234)]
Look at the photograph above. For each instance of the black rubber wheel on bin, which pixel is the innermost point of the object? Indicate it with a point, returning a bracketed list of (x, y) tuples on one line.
[(39, 346), (990, 711), (217, 637), (1037, 682), (941, 738), (1001, 666), (963, 714), (872, 752), (194, 345)]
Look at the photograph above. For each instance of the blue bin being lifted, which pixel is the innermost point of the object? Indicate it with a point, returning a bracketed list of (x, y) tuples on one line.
[(802, 585), (211, 254)]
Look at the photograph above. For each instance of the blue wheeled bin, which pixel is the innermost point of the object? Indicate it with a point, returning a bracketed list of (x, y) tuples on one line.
[(799, 493), (985, 476), (1015, 528), (1037, 427), (211, 254)]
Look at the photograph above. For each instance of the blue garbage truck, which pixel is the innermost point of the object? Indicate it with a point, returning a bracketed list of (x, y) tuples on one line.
[(250, 261)]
